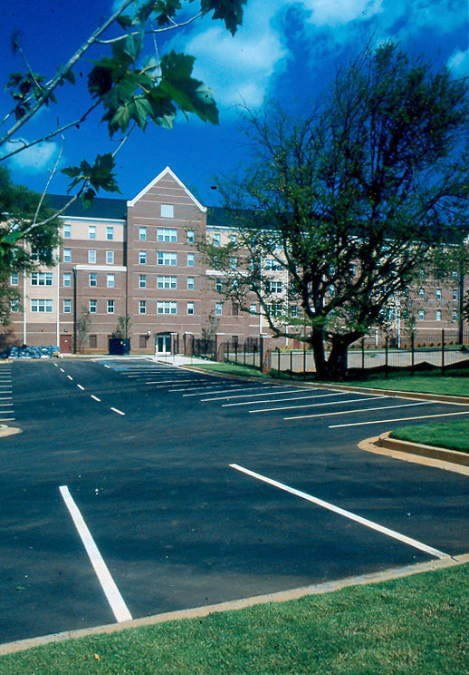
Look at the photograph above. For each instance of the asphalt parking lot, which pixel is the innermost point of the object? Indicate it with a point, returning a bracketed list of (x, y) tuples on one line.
[(137, 488)]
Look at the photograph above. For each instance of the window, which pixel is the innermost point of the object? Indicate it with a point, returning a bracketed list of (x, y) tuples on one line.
[(293, 311), (438, 315), (455, 315), (142, 307), (219, 308), (67, 231), (271, 264), (15, 305), (14, 279), (167, 282), (41, 279), (91, 256), (421, 292), (455, 293), (110, 307), (438, 293), (274, 287), (190, 259), (142, 281), (110, 280), (93, 280), (233, 238), (219, 285), (421, 315), (253, 309), (109, 257), (216, 239), (166, 307), (93, 306), (190, 236), (109, 233), (67, 307), (233, 262), (166, 234), (67, 280), (91, 231), (235, 309), (67, 255), (142, 233), (164, 258), (167, 211), (190, 283), (39, 305), (142, 257), (190, 308), (275, 310)]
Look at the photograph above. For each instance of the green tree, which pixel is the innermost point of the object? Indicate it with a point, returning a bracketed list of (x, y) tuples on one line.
[(23, 247), (123, 327), (347, 200), (129, 80), (82, 330)]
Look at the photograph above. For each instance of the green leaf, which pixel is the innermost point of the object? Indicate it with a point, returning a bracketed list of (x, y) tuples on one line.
[(230, 11)]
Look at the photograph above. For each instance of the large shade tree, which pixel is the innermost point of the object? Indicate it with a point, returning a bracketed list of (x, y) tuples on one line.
[(347, 200)]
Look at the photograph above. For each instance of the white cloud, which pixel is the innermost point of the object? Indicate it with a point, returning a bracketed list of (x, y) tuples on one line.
[(459, 63), (34, 159), (339, 12)]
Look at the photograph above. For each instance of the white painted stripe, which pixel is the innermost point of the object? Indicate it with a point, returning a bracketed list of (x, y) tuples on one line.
[(279, 400), (80, 387), (250, 395), (104, 366), (316, 405), (209, 389), (358, 410), (95, 398), (108, 585), (70, 377), (119, 412), (347, 514), (7, 419), (62, 370), (399, 419)]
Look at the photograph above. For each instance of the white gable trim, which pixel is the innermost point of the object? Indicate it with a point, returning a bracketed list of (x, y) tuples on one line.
[(164, 173)]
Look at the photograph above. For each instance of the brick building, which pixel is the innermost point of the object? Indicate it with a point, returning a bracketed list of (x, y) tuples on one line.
[(139, 258)]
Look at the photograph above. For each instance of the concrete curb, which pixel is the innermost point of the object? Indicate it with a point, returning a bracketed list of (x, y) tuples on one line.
[(422, 396), (384, 441), (199, 612)]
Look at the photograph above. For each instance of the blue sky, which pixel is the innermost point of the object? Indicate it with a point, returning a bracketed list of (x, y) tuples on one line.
[(286, 51)]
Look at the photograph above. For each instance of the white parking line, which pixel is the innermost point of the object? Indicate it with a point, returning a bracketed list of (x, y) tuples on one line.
[(249, 389), (316, 405), (399, 419), (62, 370), (119, 412), (80, 387), (279, 400), (347, 514), (108, 585), (358, 410), (70, 377), (95, 398)]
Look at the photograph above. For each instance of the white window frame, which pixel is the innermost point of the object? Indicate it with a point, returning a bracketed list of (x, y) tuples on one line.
[(41, 279), (142, 233), (219, 309), (166, 307), (110, 306), (191, 260), (166, 282), (110, 280), (191, 283), (15, 305), (167, 258), (93, 306), (142, 257), (67, 306), (109, 233), (167, 234), (91, 231), (438, 316), (142, 280), (438, 294), (142, 306), (14, 279), (92, 256), (67, 255), (67, 231), (93, 280), (109, 257), (190, 234), (191, 308), (67, 280), (42, 305)]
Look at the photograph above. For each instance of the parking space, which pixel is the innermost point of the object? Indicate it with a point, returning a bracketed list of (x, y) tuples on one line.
[(7, 413), (138, 488)]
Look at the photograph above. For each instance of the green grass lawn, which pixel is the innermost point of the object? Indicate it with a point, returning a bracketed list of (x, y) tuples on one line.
[(412, 626), (451, 435), (429, 384), (233, 368)]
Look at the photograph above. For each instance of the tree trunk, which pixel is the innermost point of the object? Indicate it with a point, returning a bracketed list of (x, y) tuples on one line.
[(337, 361), (317, 343)]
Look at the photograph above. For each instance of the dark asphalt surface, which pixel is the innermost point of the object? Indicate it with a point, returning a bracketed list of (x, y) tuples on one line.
[(175, 524)]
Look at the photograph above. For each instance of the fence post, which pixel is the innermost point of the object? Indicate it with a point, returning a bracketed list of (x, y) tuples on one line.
[(304, 360), (261, 352), (291, 365), (386, 356), (278, 361), (443, 351), (412, 352), (363, 357), (244, 352), (236, 351)]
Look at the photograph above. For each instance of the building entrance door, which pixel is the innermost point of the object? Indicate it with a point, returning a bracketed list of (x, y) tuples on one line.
[(163, 343), (66, 344)]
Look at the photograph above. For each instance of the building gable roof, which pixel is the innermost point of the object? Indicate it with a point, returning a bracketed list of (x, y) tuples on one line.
[(156, 180), (101, 208)]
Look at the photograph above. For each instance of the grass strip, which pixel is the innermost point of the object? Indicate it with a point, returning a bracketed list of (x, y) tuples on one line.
[(233, 368), (452, 436), (428, 384), (407, 626)]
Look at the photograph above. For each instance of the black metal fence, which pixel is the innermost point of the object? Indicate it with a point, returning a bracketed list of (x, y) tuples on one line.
[(415, 352)]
